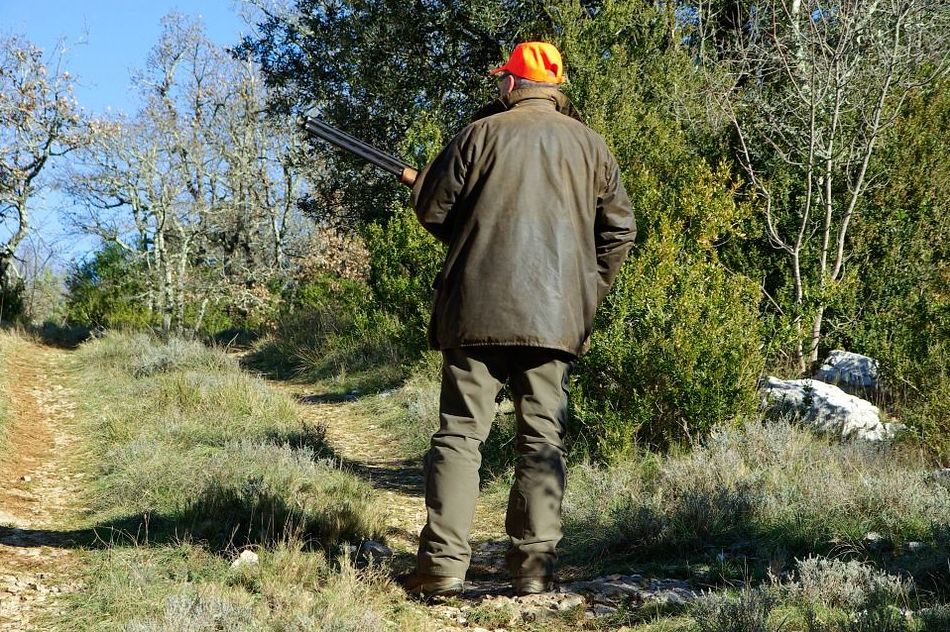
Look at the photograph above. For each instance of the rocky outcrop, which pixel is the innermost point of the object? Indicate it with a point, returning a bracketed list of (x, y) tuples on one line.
[(825, 407), (851, 372)]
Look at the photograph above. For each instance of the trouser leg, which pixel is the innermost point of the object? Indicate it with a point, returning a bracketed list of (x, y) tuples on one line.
[(539, 387), (470, 381)]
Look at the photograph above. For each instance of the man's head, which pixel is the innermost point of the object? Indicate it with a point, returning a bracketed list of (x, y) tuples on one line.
[(532, 64)]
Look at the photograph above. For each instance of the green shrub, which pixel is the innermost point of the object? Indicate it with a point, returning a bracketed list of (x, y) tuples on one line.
[(404, 261), (675, 348), (901, 309), (675, 352), (107, 292)]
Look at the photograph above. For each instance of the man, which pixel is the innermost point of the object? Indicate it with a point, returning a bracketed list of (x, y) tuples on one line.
[(530, 204)]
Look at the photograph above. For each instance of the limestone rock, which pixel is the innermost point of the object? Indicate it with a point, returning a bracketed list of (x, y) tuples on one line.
[(247, 558), (827, 408), (851, 372)]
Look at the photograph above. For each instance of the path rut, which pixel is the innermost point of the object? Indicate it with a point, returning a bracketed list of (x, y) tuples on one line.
[(38, 485)]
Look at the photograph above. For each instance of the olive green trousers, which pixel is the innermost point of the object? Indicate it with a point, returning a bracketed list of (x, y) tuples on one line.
[(471, 379)]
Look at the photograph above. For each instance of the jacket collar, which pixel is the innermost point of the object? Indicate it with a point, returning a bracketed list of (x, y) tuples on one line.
[(560, 101)]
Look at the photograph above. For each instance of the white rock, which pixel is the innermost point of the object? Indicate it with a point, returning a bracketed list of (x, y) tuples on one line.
[(852, 372), (247, 558), (827, 408)]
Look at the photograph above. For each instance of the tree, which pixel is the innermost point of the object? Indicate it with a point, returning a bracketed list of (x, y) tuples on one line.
[(808, 89), (39, 121), (199, 185), (375, 68)]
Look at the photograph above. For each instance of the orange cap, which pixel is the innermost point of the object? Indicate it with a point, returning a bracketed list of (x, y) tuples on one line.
[(535, 61)]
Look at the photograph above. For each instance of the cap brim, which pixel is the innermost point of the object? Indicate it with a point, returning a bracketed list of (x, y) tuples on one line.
[(495, 71)]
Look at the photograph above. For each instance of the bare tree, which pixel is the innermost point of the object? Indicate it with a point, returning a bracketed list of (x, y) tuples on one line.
[(39, 121), (43, 284), (199, 184), (809, 87)]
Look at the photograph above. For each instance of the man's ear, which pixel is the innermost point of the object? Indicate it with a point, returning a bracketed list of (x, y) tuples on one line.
[(509, 83)]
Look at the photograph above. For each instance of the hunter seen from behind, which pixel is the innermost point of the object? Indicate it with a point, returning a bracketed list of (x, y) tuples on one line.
[(235, 240)]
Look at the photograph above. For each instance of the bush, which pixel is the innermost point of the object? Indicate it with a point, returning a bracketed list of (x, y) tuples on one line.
[(746, 611), (404, 261), (675, 353), (847, 584), (675, 348), (107, 292), (901, 311)]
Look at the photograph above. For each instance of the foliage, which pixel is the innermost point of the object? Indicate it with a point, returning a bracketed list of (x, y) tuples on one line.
[(331, 329), (375, 67), (674, 350), (809, 94), (901, 313), (107, 291), (404, 260)]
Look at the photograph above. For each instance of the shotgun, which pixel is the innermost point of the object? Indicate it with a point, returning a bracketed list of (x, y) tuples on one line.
[(316, 127)]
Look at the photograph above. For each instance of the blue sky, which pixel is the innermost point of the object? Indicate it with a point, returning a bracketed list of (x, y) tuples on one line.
[(105, 41)]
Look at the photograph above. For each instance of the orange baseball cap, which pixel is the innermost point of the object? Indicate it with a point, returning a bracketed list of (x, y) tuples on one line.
[(535, 61)]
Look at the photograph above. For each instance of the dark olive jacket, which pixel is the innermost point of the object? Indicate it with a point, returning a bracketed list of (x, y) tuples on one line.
[(537, 222)]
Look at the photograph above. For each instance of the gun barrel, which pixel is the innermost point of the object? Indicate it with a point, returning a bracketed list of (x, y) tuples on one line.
[(365, 151)]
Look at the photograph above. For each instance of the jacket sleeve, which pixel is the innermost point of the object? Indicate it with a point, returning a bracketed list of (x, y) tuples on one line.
[(438, 186), (615, 229)]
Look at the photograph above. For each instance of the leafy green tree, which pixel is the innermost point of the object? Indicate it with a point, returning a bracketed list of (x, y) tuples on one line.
[(107, 291), (373, 68), (899, 311), (809, 90)]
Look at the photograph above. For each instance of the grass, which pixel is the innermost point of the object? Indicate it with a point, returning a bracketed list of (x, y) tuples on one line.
[(185, 587), (355, 350), (7, 340), (751, 499), (194, 461)]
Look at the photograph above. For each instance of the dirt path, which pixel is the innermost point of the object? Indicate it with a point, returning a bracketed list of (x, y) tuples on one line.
[(367, 449), (37, 484)]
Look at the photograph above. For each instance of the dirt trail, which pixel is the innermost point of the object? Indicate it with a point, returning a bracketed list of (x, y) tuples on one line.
[(367, 449), (37, 484)]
